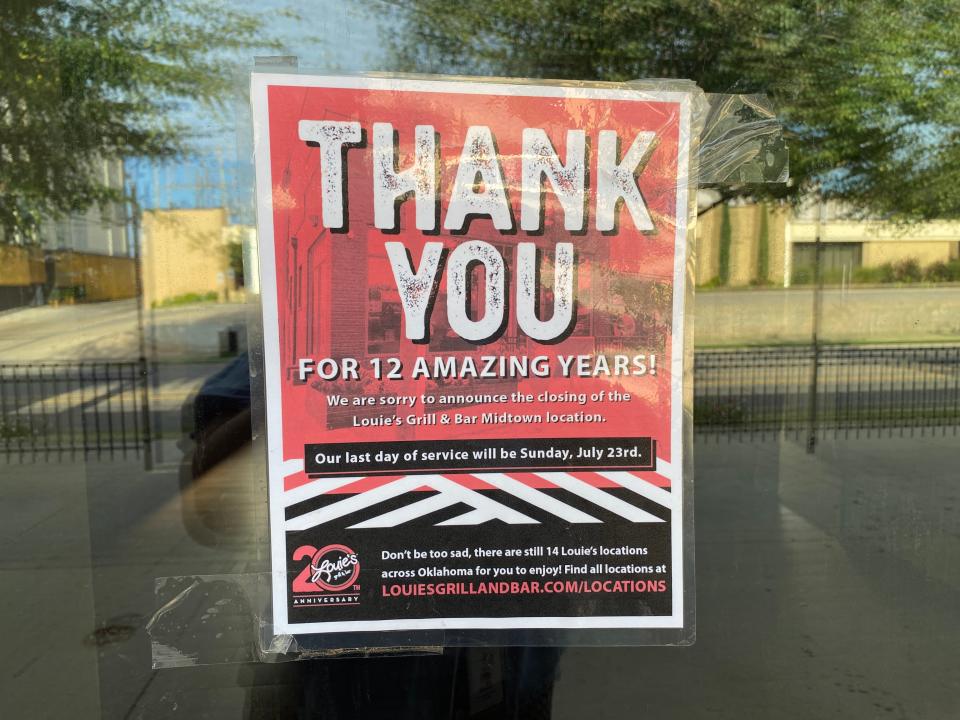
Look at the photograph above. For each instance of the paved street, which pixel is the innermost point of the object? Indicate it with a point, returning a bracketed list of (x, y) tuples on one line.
[(70, 333), (729, 317), (110, 331), (97, 405)]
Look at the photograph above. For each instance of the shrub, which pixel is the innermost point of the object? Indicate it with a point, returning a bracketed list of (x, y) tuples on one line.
[(726, 238), (723, 413), (802, 276), (833, 276), (187, 299), (907, 271), (943, 271), (877, 274)]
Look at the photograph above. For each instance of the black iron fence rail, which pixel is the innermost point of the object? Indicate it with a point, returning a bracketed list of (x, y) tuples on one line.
[(51, 411), (855, 391)]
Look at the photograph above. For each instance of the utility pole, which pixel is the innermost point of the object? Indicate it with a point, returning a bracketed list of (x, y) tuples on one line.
[(145, 428), (815, 339)]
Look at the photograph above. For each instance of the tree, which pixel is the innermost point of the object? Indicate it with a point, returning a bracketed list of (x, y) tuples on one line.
[(868, 90), (85, 80)]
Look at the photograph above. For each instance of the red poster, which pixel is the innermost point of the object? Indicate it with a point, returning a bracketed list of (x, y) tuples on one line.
[(473, 301)]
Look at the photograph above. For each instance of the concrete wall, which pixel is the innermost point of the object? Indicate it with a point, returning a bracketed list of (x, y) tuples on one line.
[(745, 231), (707, 239), (774, 316), (246, 235), (183, 252), (22, 276), (744, 244), (21, 266), (941, 231), (97, 277), (75, 276), (878, 253)]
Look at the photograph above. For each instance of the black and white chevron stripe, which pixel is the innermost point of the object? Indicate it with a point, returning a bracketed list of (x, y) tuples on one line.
[(448, 502)]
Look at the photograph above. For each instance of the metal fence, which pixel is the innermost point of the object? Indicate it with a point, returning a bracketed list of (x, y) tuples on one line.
[(832, 390), (51, 411)]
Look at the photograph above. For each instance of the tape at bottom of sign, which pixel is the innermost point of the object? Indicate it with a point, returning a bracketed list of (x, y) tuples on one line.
[(222, 619)]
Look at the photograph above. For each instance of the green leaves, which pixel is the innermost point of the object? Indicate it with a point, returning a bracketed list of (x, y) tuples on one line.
[(92, 79), (868, 90)]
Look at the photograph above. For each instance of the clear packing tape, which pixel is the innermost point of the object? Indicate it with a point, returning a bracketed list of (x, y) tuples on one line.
[(742, 142), (213, 620), (220, 619)]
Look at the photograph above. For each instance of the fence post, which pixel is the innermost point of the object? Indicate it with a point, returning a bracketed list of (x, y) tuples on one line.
[(817, 301), (143, 367), (145, 413)]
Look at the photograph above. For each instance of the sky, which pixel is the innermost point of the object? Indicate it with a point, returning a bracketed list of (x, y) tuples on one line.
[(330, 36)]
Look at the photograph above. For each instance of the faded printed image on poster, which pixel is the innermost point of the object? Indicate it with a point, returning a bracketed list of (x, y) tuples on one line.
[(473, 338)]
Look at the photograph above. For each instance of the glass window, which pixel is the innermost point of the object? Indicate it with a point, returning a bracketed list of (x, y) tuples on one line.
[(826, 396)]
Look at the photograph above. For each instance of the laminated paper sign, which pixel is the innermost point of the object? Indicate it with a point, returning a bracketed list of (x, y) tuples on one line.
[(473, 339)]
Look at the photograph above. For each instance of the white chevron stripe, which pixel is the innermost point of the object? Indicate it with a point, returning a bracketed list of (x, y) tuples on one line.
[(642, 487), (480, 502), (599, 497), (409, 512), (456, 492), (313, 488), (474, 517), (450, 492), (667, 470), (537, 498), (291, 467), (354, 503)]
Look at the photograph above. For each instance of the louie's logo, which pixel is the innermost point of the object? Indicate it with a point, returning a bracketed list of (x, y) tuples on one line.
[(332, 569)]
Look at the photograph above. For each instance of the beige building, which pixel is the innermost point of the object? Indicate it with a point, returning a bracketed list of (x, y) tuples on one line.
[(757, 244), (185, 255)]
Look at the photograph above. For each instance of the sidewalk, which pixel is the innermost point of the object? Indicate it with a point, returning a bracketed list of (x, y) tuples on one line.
[(827, 585)]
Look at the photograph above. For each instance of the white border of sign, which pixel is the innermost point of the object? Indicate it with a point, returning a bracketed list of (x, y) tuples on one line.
[(273, 372)]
